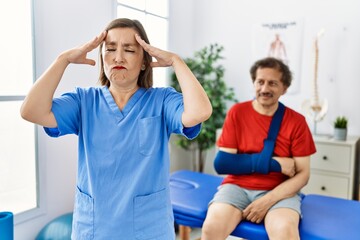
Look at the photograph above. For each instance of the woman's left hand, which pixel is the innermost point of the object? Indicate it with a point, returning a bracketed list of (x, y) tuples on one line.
[(164, 58), (197, 106)]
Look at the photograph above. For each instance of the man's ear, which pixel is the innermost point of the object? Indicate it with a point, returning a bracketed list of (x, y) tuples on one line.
[(285, 90)]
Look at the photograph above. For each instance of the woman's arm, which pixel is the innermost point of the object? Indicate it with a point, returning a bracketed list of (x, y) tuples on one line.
[(37, 105), (197, 106)]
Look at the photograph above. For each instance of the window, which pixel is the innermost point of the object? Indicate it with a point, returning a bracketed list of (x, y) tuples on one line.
[(154, 17), (18, 166)]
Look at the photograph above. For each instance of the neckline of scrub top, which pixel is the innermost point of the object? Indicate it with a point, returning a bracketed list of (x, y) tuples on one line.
[(120, 114)]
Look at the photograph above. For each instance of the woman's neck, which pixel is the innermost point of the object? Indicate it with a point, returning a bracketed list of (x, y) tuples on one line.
[(122, 95)]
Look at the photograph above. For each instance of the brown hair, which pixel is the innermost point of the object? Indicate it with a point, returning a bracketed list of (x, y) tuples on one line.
[(274, 64), (146, 76)]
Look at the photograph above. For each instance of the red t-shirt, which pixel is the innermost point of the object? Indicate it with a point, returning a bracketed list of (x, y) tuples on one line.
[(245, 129)]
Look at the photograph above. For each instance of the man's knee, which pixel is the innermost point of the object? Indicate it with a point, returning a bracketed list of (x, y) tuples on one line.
[(220, 221), (282, 228), (285, 232), (281, 225), (213, 229)]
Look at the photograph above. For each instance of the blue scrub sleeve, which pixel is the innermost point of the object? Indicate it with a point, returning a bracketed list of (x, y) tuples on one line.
[(66, 110), (192, 132), (240, 164)]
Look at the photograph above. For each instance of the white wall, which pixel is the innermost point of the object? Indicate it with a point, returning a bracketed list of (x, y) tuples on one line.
[(60, 25), (230, 22)]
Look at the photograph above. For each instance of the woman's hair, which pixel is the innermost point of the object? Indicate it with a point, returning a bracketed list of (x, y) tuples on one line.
[(145, 79), (274, 64)]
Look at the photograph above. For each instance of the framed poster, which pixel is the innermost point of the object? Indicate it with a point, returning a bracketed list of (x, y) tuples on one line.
[(282, 40)]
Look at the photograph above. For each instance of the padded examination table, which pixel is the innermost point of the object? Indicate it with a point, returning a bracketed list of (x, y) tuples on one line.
[(323, 217)]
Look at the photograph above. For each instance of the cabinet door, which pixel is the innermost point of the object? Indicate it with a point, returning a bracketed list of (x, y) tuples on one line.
[(329, 157), (327, 185)]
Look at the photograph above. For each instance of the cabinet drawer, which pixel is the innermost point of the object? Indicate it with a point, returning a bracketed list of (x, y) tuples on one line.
[(327, 185), (332, 158)]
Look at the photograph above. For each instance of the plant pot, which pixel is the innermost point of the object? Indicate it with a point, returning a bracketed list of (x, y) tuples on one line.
[(340, 134)]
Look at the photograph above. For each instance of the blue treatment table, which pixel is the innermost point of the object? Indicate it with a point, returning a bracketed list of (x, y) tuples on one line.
[(323, 217)]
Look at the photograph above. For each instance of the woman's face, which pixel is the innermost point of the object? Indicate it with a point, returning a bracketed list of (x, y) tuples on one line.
[(122, 56)]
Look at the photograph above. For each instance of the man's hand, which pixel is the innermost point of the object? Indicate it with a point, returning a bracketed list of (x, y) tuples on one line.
[(287, 165), (256, 211)]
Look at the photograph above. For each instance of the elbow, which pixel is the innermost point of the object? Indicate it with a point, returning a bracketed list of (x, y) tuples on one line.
[(207, 113), (24, 113), (203, 112), (219, 166), (223, 163), (196, 117), (203, 115), (27, 114), (306, 180), (305, 177)]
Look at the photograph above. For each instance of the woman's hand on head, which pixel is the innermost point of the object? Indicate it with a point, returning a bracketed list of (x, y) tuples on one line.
[(78, 55), (163, 58)]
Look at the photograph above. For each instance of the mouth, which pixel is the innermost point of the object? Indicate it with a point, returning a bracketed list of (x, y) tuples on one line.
[(265, 95), (118, 68)]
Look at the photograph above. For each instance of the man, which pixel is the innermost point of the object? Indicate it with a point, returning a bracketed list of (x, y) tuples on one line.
[(272, 197)]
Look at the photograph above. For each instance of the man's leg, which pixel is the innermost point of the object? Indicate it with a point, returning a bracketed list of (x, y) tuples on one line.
[(282, 224), (221, 220)]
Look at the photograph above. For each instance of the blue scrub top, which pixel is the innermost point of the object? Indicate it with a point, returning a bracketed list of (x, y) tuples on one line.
[(123, 166)]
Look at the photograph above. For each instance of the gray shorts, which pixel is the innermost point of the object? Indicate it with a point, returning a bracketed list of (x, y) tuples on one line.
[(241, 198)]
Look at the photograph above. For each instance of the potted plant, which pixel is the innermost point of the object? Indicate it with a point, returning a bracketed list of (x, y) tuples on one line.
[(340, 128), (210, 74)]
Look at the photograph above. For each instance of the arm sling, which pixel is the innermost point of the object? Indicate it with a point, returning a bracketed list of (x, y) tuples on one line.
[(228, 163)]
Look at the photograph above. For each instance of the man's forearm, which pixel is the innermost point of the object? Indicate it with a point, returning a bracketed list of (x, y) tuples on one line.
[(239, 164)]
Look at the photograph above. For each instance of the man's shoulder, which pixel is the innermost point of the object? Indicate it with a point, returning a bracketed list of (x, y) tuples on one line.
[(241, 106), (294, 114)]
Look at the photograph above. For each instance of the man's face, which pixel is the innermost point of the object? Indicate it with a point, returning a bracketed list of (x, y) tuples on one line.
[(268, 86)]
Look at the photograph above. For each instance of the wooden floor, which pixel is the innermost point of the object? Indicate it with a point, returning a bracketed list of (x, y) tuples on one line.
[(196, 233)]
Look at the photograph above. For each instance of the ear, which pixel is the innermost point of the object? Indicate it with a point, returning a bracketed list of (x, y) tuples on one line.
[(285, 90)]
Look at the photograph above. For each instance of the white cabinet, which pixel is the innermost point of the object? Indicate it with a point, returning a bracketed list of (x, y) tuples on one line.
[(334, 168)]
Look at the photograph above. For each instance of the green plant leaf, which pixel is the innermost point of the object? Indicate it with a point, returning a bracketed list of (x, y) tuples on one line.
[(210, 73), (341, 122)]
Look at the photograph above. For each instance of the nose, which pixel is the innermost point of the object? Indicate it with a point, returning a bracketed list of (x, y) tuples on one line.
[(119, 57), (265, 87)]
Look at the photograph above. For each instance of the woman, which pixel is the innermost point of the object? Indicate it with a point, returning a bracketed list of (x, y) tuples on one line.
[(123, 128)]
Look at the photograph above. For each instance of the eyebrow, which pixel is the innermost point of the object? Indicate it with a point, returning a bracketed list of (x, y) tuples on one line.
[(112, 43)]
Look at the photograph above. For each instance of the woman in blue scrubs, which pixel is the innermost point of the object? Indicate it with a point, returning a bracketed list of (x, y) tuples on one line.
[(123, 127)]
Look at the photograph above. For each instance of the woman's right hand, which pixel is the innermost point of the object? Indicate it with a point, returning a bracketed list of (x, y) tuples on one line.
[(37, 105), (78, 55)]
